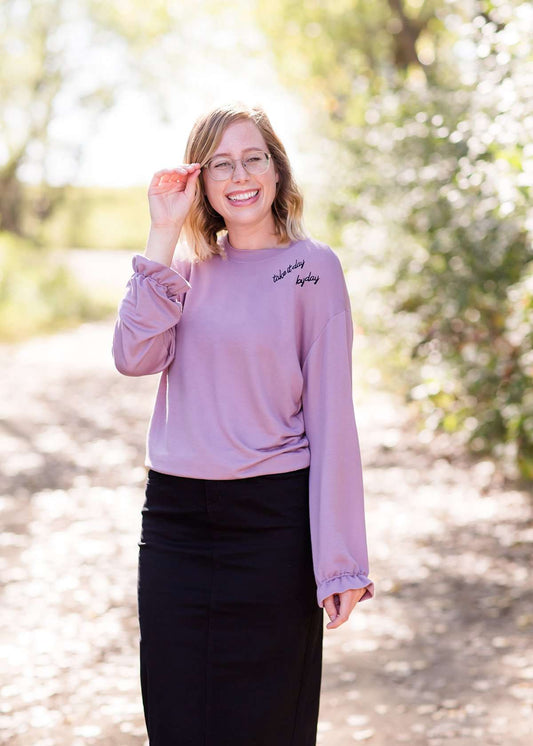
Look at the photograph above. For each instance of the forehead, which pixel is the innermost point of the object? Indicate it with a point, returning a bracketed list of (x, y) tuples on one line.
[(240, 136)]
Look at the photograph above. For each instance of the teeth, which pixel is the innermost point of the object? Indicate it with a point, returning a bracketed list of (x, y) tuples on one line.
[(243, 196)]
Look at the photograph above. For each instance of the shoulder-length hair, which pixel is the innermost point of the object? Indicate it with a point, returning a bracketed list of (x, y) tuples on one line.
[(203, 224)]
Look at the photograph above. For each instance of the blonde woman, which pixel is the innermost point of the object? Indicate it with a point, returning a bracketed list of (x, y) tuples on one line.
[(253, 520)]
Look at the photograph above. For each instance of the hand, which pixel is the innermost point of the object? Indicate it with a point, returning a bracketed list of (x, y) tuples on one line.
[(339, 606), (171, 193)]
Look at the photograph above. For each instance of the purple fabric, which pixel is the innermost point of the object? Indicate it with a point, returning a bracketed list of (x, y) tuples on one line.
[(255, 355)]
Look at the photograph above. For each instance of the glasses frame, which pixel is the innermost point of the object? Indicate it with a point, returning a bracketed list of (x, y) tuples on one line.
[(234, 162)]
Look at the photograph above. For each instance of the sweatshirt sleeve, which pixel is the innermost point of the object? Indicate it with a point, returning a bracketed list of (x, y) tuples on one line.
[(336, 500), (144, 334)]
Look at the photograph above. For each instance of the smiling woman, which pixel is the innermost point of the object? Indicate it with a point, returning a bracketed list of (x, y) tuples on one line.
[(236, 135), (243, 199), (254, 514)]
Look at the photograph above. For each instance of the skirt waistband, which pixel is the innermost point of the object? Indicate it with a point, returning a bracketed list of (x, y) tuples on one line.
[(304, 471)]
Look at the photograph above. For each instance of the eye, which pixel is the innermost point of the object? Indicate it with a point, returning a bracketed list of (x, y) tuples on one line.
[(255, 158), (221, 165)]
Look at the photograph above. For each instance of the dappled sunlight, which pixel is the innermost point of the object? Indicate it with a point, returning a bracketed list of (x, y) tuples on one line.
[(440, 652), (410, 129), (72, 667)]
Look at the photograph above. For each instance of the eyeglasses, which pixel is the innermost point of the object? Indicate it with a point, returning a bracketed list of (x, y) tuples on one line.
[(257, 162)]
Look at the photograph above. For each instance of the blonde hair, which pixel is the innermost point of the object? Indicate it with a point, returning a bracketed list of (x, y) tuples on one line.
[(203, 224)]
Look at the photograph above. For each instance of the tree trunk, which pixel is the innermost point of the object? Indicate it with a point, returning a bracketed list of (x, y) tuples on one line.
[(405, 39), (11, 197)]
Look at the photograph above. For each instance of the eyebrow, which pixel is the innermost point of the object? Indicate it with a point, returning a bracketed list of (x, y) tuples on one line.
[(258, 147)]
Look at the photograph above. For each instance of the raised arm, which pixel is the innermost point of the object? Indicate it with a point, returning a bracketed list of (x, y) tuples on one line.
[(144, 334)]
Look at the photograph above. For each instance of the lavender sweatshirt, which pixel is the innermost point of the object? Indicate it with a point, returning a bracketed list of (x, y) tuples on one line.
[(255, 354)]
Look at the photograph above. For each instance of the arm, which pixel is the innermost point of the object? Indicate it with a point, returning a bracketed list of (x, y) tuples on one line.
[(336, 499), (144, 334)]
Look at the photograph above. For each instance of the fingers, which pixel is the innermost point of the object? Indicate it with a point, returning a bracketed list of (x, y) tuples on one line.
[(175, 179), (339, 606), (191, 182), (342, 611), (331, 609), (343, 608), (180, 170)]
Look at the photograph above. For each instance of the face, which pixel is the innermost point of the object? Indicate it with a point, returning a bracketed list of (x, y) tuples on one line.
[(243, 199)]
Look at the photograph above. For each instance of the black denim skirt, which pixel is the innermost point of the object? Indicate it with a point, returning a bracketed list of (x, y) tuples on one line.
[(230, 630)]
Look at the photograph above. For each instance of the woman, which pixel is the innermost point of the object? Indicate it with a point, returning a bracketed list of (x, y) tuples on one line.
[(253, 519)]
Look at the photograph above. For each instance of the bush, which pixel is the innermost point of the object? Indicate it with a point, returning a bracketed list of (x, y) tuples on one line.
[(450, 177)]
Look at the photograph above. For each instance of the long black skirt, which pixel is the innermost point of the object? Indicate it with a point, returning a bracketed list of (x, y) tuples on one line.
[(230, 629)]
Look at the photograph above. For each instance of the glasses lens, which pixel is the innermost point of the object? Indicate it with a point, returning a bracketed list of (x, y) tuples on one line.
[(220, 169), (256, 163)]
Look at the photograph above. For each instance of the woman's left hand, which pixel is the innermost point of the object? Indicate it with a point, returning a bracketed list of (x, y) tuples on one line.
[(339, 606)]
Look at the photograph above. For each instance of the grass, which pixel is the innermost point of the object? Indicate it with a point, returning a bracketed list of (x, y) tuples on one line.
[(90, 218), (37, 294)]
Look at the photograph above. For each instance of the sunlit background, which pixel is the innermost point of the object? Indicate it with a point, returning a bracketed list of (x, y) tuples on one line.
[(409, 124)]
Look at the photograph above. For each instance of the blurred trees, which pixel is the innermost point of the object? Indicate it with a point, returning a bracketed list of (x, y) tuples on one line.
[(431, 104), (63, 64), (66, 61)]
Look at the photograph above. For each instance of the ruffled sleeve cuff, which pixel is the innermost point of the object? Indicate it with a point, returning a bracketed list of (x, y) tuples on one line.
[(344, 582), (172, 282)]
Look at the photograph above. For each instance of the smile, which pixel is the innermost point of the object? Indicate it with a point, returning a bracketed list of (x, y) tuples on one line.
[(243, 196)]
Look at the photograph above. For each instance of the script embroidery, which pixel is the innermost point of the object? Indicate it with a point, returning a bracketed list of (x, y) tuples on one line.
[(299, 263), (309, 278), (283, 272)]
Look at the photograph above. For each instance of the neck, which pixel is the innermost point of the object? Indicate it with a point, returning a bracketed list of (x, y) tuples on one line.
[(253, 236)]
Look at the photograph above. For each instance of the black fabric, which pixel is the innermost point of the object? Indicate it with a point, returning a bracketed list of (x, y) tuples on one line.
[(230, 630)]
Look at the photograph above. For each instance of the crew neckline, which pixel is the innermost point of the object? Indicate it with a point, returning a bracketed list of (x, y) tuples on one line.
[(253, 255)]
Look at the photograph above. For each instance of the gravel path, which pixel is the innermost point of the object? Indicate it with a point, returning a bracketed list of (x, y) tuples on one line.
[(442, 654)]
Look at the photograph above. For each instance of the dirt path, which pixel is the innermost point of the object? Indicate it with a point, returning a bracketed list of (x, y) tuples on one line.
[(441, 655)]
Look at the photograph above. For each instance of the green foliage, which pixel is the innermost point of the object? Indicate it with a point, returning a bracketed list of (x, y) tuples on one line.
[(435, 198), (341, 52), (328, 44), (36, 294)]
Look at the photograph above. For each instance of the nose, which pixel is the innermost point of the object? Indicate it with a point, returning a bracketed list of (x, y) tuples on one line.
[(239, 172)]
